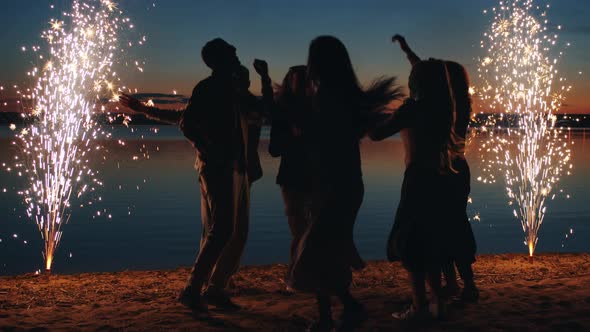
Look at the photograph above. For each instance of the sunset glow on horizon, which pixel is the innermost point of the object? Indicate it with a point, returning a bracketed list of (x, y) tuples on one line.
[(280, 32)]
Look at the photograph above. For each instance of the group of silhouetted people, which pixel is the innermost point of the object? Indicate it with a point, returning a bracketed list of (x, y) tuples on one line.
[(319, 115)]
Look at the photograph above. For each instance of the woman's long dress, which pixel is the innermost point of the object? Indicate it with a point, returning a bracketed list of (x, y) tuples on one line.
[(326, 252), (431, 225)]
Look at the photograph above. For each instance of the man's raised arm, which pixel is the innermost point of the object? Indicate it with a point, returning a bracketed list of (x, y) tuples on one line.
[(153, 113), (188, 119)]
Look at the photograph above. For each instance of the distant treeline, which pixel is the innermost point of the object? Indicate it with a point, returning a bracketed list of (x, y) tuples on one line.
[(563, 120)]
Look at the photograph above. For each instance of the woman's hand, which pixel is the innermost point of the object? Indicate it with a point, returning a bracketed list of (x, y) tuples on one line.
[(261, 67), (402, 42), (132, 103), (412, 57)]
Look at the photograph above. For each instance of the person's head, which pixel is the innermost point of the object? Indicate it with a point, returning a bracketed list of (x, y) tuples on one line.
[(330, 71), (329, 65), (460, 85), (429, 81), (294, 84), (430, 84), (459, 79), (220, 56), (243, 76), (459, 82)]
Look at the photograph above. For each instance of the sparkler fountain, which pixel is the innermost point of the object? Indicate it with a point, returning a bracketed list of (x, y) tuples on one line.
[(520, 79), (77, 72)]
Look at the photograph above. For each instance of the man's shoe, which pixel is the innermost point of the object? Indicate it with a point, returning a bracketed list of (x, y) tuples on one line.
[(220, 300), (413, 314), (191, 298)]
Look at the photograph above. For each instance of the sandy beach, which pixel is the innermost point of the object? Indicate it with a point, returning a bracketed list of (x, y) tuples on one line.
[(550, 294)]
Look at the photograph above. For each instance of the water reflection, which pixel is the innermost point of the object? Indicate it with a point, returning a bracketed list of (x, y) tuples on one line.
[(155, 207)]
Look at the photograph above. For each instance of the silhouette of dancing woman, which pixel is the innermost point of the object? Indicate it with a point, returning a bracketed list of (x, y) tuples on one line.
[(464, 247), (340, 116), (427, 122), (289, 118)]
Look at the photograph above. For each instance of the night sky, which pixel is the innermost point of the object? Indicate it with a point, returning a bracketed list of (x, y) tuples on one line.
[(280, 31)]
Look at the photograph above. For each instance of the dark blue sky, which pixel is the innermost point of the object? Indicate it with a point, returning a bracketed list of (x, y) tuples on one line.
[(280, 30)]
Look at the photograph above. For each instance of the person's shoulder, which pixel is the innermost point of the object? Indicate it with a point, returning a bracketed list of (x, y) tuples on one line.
[(204, 84)]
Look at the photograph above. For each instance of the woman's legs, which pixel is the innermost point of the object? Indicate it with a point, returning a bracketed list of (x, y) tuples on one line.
[(466, 273), (419, 307), (297, 225), (470, 292), (451, 286), (295, 211), (324, 322), (353, 313), (349, 219), (418, 282), (347, 300), (324, 306), (420, 304), (437, 305)]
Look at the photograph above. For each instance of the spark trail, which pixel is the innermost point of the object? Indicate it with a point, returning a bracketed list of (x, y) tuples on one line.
[(521, 80), (76, 73)]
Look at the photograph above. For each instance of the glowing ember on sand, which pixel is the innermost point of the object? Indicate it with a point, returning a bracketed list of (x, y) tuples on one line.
[(519, 77), (76, 73)]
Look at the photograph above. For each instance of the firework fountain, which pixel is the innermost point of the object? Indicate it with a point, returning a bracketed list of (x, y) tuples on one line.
[(75, 74), (521, 80)]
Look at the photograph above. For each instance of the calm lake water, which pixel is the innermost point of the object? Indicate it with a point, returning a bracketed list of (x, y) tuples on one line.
[(155, 206)]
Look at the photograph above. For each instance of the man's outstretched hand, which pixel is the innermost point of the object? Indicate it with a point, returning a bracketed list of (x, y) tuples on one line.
[(261, 67), (131, 102), (402, 42)]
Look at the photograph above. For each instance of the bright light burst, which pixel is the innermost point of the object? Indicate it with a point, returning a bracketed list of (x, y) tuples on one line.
[(77, 72), (521, 80)]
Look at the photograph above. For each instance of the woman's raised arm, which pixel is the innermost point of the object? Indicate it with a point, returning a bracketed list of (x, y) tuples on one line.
[(412, 57), (404, 117)]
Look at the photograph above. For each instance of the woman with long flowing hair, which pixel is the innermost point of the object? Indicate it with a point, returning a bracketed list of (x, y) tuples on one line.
[(340, 115), (289, 118), (463, 246), (419, 237), (453, 225)]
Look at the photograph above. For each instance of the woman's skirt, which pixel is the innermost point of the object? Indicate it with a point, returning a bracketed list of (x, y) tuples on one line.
[(326, 252), (431, 227)]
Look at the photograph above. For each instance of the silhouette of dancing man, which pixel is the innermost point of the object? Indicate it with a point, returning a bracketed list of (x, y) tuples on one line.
[(216, 122)]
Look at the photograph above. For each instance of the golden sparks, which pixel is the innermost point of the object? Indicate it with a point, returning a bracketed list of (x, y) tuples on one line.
[(110, 5), (56, 25), (81, 55), (518, 77)]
